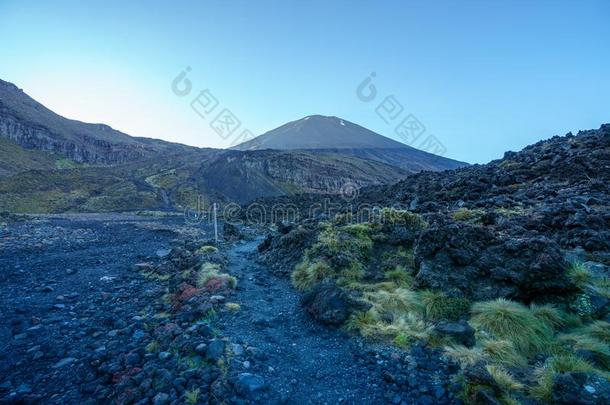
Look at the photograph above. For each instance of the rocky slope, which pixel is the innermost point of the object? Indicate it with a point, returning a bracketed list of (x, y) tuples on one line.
[(505, 265)]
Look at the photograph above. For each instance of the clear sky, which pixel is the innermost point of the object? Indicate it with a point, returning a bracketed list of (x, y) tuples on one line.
[(481, 76)]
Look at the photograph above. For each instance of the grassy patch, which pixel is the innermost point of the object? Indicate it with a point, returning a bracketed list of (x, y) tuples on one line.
[(543, 390), (438, 306), (192, 396), (207, 249), (579, 275), (514, 322), (467, 215)]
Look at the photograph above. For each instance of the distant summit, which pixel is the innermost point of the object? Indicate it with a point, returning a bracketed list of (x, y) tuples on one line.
[(320, 132)]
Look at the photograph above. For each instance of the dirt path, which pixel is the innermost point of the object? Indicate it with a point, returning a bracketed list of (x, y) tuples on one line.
[(300, 361), (303, 362)]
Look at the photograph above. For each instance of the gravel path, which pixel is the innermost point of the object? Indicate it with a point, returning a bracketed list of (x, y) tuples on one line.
[(303, 362)]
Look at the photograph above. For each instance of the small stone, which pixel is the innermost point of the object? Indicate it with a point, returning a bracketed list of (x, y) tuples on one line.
[(246, 364), (589, 389), (237, 349), (161, 399), (201, 348), (217, 299), (248, 383), (59, 306), (70, 271), (138, 334), (64, 362), (162, 253), (20, 336), (47, 289), (215, 350), (164, 355)]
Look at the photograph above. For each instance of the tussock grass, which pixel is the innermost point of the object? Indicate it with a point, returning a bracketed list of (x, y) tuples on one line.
[(502, 352), (307, 274), (394, 304), (504, 379), (207, 250), (514, 322), (494, 351), (543, 390), (399, 276), (438, 306), (339, 252), (550, 315), (583, 341), (598, 329), (579, 275), (463, 355)]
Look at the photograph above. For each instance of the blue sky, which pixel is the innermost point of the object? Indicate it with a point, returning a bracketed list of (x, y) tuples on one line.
[(481, 76)]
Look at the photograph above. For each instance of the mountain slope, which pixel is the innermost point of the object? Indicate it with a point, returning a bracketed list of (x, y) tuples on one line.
[(53, 164), (317, 132), (244, 176), (33, 126)]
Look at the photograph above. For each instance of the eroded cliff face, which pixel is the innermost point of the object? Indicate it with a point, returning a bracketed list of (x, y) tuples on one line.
[(244, 176), (90, 150)]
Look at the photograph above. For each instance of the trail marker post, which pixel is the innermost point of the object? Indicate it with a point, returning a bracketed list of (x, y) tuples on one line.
[(215, 225)]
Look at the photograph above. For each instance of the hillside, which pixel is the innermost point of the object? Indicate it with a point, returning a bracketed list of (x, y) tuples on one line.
[(53, 164), (502, 266), (33, 126)]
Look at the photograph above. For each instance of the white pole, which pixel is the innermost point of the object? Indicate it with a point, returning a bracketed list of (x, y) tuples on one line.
[(215, 225)]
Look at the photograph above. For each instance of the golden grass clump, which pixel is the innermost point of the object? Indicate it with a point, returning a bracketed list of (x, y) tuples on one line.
[(504, 379), (514, 322)]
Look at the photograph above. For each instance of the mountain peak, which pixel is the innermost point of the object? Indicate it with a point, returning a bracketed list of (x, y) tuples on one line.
[(321, 132)]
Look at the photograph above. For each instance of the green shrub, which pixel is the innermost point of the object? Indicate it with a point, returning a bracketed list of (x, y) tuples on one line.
[(512, 321), (467, 215), (438, 306)]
